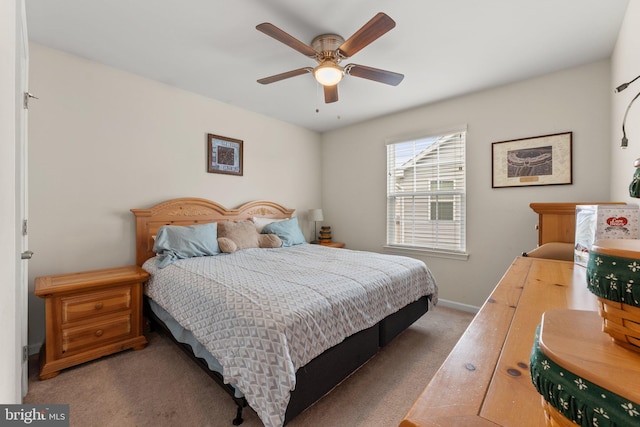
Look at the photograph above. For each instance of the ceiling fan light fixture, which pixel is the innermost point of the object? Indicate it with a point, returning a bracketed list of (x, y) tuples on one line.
[(328, 73)]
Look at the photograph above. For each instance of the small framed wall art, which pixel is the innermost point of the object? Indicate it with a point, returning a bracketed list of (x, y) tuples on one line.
[(224, 155), (540, 160)]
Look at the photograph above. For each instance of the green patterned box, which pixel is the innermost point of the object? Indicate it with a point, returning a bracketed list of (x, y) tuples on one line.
[(614, 277), (578, 399)]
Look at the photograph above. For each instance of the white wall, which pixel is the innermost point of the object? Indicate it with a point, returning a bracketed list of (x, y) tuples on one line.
[(625, 66), (500, 222), (103, 141)]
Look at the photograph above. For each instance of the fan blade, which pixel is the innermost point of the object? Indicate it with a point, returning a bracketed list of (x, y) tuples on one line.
[(330, 94), (376, 27), (375, 74), (275, 32), (286, 75)]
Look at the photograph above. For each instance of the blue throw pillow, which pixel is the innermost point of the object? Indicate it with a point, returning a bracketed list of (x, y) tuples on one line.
[(288, 231), (175, 242)]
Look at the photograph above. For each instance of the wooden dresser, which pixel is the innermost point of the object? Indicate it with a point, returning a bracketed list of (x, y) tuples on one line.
[(89, 315), (485, 380), (557, 221)]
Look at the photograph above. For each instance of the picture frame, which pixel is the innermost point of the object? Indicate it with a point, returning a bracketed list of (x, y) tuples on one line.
[(224, 155), (539, 160)]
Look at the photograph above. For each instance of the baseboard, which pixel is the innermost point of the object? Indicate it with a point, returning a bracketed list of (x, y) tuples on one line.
[(458, 306)]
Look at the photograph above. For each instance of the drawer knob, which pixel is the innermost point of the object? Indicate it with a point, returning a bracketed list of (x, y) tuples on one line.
[(99, 332), (99, 305)]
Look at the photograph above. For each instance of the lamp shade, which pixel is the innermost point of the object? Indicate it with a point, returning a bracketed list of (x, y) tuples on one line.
[(328, 74), (315, 215)]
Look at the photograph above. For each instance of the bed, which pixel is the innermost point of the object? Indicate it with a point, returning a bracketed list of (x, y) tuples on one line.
[(305, 316)]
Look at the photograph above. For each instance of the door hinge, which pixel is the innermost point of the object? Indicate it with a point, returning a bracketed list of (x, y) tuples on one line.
[(25, 353), (27, 96), (24, 227)]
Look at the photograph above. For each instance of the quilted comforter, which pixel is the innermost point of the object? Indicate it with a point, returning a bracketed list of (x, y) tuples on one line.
[(264, 313)]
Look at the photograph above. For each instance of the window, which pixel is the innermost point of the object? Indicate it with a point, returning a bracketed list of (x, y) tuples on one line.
[(426, 193), (442, 207)]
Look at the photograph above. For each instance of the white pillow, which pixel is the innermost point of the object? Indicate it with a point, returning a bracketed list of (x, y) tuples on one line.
[(261, 223)]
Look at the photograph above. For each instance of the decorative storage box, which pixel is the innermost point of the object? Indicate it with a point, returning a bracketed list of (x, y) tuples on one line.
[(613, 275), (582, 376), (325, 234), (595, 222)]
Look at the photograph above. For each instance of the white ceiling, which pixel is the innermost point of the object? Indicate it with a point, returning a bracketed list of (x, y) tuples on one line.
[(444, 48)]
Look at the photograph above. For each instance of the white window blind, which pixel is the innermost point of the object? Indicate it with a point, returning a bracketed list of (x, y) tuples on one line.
[(426, 193)]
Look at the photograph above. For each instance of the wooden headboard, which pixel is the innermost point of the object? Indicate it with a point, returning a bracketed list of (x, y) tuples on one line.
[(189, 211)]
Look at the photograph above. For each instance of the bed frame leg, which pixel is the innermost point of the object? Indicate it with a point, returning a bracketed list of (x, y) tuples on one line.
[(238, 419)]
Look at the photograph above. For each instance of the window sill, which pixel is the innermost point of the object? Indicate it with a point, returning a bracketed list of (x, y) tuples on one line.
[(411, 251)]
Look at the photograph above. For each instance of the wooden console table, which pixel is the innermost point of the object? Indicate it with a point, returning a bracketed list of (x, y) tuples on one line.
[(485, 380)]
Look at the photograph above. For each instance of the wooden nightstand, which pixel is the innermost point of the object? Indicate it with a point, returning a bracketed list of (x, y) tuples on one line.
[(89, 315), (331, 244)]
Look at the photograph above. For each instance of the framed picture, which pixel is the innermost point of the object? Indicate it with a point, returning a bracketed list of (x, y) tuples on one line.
[(541, 160), (224, 155)]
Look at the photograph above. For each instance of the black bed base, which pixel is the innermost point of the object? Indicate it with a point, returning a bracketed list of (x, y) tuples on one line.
[(392, 325), (326, 371)]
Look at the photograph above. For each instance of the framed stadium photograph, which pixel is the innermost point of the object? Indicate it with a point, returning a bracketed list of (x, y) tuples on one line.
[(541, 160)]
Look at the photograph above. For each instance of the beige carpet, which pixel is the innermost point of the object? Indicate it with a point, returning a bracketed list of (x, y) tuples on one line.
[(159, 386)]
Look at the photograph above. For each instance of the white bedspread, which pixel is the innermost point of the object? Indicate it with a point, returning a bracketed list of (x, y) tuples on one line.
[(264, 313)]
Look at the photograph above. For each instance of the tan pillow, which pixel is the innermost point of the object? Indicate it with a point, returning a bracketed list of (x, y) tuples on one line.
[(269, 241), (238, 235), (553, 250)]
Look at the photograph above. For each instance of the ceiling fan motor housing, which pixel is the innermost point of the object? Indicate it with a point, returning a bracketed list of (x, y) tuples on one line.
[(327, 45)]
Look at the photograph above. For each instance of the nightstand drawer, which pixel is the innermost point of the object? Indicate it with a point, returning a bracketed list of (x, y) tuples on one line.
[(81, 338), (93, 304)]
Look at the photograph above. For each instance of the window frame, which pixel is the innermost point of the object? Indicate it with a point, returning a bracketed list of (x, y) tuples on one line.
[(392, 245)]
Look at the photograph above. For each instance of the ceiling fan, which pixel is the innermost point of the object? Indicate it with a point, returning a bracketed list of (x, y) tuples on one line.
[(329, 50)]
